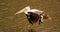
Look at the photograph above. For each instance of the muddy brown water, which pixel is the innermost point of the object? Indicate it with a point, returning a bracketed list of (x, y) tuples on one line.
[(19, 23)]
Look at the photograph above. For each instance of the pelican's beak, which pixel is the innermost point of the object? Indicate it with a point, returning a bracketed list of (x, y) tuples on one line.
[(15, 13)]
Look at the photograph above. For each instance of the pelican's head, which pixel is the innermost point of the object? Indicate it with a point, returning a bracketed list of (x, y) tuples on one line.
[(22, 10)]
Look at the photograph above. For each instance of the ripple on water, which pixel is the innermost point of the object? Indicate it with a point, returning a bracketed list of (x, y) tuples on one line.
[(4, 9), (2, 3)]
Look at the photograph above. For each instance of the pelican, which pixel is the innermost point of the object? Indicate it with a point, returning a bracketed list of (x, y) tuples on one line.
[(37, 14)]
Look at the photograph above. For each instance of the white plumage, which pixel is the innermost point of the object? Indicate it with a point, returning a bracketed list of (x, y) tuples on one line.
[(28, 9)]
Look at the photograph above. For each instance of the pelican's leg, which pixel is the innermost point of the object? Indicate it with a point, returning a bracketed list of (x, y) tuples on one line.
[(41, 19)]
